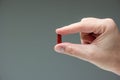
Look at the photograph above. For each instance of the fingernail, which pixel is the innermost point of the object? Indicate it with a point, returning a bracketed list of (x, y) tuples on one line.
[(60, 49)]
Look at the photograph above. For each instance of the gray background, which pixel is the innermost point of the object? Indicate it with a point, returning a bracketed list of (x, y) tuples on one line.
[(27, 37)]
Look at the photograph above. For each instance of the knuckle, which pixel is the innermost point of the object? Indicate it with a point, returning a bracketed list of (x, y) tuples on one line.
[(70, 50), (109, 20), (83, 19), (110, 24), (88, 18)]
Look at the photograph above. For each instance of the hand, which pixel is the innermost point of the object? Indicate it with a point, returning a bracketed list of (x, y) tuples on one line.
[(100, 43)]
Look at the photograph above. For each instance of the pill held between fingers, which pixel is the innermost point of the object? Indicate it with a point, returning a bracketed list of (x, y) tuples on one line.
[(59, 38)]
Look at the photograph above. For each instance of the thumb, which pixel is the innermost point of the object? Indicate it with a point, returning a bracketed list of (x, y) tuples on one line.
[(81, 51)]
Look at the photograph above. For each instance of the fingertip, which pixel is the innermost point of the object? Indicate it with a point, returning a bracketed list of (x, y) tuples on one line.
[(59, 48), (57, 30), (55, 47)]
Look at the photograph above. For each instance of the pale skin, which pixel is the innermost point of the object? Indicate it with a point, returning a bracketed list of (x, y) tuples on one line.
[(100, 43)]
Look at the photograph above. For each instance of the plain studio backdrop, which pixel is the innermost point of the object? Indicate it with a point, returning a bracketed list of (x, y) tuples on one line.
[(27, 38)]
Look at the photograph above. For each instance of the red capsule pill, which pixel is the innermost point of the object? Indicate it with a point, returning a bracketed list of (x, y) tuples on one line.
[(59, 38)]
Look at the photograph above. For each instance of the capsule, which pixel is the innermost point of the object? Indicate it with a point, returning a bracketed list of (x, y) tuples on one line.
[(59, 38)]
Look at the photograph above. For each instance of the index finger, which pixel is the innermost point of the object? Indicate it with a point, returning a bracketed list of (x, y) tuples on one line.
[(87, 26)]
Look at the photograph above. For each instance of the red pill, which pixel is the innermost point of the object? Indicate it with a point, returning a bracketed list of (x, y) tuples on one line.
[(59, 38)]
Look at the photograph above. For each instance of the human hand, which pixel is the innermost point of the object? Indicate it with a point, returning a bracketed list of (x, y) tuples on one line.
[(100, 43)]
